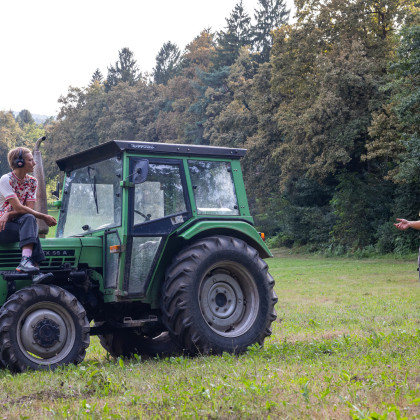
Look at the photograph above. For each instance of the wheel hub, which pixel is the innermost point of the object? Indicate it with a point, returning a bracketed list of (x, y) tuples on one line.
[(222, 301), (46, 333)]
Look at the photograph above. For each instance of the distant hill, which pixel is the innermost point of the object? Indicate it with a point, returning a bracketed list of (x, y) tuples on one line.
[(38, 118)]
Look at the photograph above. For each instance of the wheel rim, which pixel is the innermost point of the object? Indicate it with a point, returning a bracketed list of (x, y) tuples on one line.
[(46, 333), (229, 299)]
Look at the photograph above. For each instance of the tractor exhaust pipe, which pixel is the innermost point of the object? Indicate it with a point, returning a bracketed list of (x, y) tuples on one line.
[(41, 196)]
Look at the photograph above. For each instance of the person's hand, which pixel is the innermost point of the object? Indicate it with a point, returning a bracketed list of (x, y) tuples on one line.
[(3, 220), (402, 225), (49, 220)]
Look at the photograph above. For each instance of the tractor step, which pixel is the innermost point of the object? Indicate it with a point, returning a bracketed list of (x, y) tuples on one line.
[(110, 326), (44, 278), (14, 275)]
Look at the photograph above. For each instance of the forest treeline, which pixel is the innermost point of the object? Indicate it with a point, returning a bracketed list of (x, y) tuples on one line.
[(327, 106)]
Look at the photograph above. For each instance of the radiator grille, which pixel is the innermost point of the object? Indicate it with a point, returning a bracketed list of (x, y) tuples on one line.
[(10, 259)]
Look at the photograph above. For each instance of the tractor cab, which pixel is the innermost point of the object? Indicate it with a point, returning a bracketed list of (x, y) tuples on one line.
[(135, 198)]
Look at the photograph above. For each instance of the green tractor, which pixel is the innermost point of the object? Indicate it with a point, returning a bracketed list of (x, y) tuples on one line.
[(155, 252)]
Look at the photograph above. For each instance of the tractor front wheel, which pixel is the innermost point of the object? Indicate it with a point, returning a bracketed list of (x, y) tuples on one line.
[(42, 327)]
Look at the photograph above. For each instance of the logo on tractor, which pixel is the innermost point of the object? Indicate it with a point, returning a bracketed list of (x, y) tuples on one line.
[(59, 253), (142, 146)]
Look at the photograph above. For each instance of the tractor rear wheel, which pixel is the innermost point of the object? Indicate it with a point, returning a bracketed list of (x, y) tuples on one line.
[(42, 327), (218, 297)]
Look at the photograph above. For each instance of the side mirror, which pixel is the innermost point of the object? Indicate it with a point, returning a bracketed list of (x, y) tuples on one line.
[(141, 169), (56, 193)]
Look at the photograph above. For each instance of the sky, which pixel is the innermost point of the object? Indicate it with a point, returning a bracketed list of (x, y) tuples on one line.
[(48, 45)]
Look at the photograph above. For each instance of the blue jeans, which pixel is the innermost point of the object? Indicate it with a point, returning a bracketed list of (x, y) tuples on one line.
[(24, 230)]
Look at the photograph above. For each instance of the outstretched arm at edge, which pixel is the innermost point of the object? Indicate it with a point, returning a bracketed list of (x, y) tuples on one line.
[(405, 224)]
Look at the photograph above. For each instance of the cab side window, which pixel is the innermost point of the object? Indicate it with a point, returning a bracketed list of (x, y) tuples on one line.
[(213, 187), (161, 195)]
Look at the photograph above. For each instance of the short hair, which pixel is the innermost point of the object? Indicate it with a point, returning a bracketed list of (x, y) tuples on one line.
[(14, 154)]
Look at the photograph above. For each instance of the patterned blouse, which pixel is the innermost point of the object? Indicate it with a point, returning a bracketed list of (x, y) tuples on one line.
[(11, 186)]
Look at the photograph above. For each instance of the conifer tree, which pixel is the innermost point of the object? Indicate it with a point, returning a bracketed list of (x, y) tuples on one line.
[(270, 15), (235, 36), (167, 63), (96, 77), (124, 70)]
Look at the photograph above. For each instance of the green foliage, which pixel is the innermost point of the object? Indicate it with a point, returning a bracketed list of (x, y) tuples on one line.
[(15, 132), (405, 86), (359, 204)]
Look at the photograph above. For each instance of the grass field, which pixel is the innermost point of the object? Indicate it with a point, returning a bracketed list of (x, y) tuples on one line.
[(345, 345), (51, 232)]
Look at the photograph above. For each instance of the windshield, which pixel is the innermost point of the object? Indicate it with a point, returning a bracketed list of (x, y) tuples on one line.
[(91, 199)]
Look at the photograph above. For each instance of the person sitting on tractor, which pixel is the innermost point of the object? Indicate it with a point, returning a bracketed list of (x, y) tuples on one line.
[(17, 214)]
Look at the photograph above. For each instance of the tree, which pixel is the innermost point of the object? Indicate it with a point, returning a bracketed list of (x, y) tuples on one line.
[(183, 106), (230, 120), (198, 54), (235, 35), (76, 125), (128, 112), (124, 70), (96, 77), (405, 88), (24, 117), (270, 15), (168, 63), (11, 135), (328, 69)]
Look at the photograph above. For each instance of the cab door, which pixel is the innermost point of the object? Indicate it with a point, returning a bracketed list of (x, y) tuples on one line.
[(157, 207)]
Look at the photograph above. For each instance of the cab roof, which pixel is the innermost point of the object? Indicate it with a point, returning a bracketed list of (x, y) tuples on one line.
[(115, 147)]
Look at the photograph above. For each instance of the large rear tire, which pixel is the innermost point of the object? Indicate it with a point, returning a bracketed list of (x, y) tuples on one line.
[(218, 297), (42, 327)]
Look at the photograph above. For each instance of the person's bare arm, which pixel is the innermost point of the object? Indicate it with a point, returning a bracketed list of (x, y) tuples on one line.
[(19, 209), (405, 224)]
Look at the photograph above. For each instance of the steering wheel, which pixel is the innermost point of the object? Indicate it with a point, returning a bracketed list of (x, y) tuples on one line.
[(146, 217)]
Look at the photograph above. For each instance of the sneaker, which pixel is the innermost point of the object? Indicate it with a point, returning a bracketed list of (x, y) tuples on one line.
[(27, 266), (43, 278)]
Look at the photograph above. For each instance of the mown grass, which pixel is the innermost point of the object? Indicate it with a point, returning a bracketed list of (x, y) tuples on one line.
[(345, 345), (51, 231)]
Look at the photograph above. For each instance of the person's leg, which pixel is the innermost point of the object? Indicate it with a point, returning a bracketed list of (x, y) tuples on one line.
[(10, 234), (28, 236), (27, 250), (29, 242)]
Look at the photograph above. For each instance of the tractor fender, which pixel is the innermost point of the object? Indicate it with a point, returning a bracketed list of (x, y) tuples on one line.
[(238, 229)]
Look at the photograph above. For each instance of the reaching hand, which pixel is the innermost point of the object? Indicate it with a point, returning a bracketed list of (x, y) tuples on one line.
[(402, 225), (3, 221), (49, 220)]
